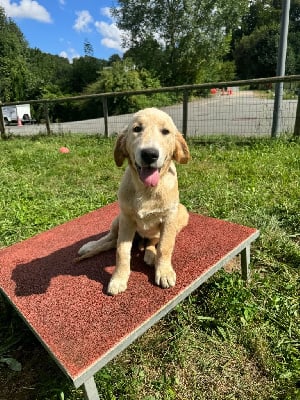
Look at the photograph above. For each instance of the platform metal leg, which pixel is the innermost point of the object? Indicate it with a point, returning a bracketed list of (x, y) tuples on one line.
[(90, 389), (245, 262)]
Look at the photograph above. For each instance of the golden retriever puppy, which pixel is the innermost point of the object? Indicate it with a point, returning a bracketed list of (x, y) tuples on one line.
[(148, 198)]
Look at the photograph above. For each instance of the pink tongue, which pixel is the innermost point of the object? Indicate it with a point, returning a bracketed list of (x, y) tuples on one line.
[(149, 176)]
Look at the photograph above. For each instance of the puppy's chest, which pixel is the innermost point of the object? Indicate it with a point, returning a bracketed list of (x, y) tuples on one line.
[(148, 227), (148, 216), (153, 207), (153, 215)]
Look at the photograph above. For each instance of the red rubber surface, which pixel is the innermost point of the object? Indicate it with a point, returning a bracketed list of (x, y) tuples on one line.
[(65, 303)]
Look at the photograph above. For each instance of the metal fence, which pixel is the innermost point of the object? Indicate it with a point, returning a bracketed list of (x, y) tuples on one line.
[(218, 108)]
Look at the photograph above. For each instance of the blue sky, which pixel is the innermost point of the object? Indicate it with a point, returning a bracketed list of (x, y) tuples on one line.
[(61, 26)]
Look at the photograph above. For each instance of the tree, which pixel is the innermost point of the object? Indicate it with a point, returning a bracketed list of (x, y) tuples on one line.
[(49, 74), (261, 13), (85, 71), (88, 48), (294, 32), (124, 76), (255, 41), (188, 36), (113, 58), (256, 55), (13, 66), (149, 54)]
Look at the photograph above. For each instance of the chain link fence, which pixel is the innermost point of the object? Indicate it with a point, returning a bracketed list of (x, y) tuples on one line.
[(243, 108)]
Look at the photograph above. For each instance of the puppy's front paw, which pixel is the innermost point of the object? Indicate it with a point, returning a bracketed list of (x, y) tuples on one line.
[(116, 285), (165, 277), (87, 247)]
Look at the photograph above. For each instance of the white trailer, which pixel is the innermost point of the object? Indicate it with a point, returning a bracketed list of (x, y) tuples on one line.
[(16, 114)]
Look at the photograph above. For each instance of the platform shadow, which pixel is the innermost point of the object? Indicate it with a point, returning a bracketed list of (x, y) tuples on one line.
[(35, 276)]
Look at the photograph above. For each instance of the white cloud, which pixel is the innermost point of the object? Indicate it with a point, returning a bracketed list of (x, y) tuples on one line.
[(111, 35), (83, 21), (26, 9), (110, 30), (112, 44), (70, 54), (62, 4), (63, 54), (106, 12)]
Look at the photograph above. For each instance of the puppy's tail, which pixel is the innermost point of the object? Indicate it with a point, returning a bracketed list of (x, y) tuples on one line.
[(93, 248), (107, 242)]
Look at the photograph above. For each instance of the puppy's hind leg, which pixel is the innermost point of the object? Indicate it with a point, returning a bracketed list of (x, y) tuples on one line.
[(107, 242), (150, 251), (182, 217)]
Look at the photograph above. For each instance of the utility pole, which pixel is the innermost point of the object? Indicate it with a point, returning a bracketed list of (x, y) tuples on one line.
[(280, 66)]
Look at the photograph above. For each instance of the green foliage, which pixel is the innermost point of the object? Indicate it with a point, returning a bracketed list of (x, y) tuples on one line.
[(13, 67), (124, 76), (12, 363), (84, 71), (261, 13), (219, 71), (150, 55), (256, 55), (293, 53), (25, 73), (186, 36), (255, 42), (88, 49), (50, 73), (9, 338), (226, 71), (169, 43), (121, 76)]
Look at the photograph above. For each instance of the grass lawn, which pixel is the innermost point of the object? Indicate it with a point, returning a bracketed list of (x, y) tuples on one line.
[(226, 341)]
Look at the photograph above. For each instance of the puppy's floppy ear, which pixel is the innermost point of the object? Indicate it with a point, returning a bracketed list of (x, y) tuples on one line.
[(120, 152), (181, 152)]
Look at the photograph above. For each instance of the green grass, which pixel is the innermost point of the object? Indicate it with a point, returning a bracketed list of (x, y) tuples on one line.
[(226, 341)]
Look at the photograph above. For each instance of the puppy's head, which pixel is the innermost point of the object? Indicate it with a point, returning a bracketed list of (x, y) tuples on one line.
[(150, 142)]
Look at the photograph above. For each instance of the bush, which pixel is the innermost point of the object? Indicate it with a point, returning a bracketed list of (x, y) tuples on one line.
[(123, 76)]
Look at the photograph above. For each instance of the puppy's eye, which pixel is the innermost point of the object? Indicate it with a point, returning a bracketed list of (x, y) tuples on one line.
[(165, 131), (138, 128)]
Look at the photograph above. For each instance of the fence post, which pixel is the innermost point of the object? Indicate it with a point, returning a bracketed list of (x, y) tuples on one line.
[(297, 120), (280, 71), (2, 124), (105, 115), (185, 112), (47, 120)]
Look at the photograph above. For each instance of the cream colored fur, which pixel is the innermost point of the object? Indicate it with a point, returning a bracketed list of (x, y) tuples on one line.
[(153, 212)]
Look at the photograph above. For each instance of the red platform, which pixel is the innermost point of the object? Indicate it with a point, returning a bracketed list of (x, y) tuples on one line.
[(65, 304)]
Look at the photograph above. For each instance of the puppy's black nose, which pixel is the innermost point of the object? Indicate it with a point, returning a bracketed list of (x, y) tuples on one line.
[(149, 155)]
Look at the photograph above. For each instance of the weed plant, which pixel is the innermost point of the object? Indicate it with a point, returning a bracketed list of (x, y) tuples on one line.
[(229, 340)]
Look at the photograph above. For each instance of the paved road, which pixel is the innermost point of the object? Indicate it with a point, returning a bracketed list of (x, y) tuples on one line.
[(239, 114)]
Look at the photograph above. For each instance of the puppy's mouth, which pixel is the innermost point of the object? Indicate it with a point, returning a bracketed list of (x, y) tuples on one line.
[(148, 175)]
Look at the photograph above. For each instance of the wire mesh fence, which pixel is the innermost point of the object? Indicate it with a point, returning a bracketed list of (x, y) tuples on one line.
[(243, 113), (228, 108)]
